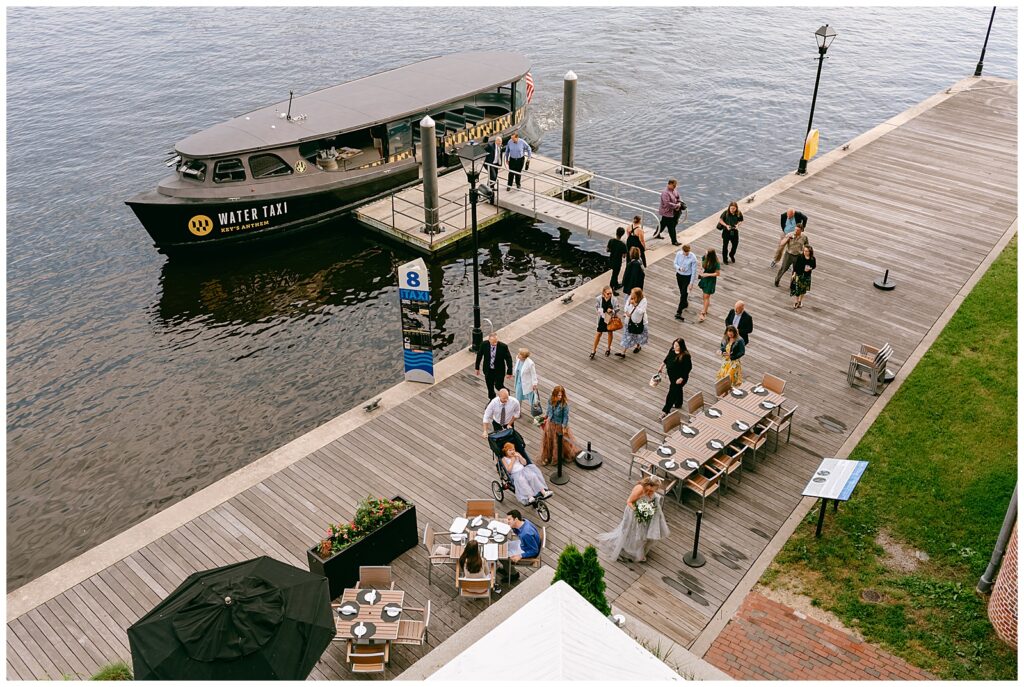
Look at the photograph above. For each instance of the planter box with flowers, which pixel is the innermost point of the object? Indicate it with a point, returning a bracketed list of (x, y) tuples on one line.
[(381, 531)]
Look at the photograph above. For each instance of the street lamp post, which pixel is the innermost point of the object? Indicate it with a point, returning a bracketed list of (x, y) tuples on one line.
[(472, 156), (981, 60), (825, 35)]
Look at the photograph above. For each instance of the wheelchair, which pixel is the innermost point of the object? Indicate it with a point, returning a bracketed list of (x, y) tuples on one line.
[(504, 481)]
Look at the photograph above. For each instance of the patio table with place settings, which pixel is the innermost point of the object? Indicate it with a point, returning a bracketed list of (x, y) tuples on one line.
[(690, 448), (372, 613), (493, 535), (754, 398)]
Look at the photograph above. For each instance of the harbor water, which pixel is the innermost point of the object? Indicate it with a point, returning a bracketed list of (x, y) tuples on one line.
[(133, 381)]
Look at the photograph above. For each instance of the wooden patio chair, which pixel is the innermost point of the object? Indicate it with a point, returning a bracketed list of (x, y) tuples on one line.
[(870, 361), (367, 658), (756, 438), (537, 560), (375, 577), (782, 423), (637, 443), (704, 486), (695, 404), (723, 386), (414, 631), (475, 588), (671, 421), (484, 507), (773, 383), (437, 548), (728, 462)]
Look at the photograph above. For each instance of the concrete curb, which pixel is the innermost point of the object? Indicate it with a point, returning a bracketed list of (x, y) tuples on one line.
[(725, 613)]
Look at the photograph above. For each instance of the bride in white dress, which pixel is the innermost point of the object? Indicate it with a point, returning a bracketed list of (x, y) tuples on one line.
[(632, 537)]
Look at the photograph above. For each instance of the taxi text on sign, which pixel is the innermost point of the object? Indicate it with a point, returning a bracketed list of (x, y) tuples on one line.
[(811, 144), (417, 335)]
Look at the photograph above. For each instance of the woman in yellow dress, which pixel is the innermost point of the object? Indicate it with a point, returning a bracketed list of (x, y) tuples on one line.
[(732, 349)]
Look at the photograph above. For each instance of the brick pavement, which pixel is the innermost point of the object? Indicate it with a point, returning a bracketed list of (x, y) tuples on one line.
[(770, 641)]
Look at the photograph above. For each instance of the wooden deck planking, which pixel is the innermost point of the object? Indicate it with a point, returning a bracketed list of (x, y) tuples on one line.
[(908, 200)]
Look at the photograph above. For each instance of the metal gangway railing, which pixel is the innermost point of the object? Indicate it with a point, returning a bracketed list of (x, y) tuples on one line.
[(590, 195)]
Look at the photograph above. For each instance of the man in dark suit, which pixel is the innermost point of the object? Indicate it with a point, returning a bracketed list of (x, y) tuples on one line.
[(494, 157), (741, 319), (497, 364)]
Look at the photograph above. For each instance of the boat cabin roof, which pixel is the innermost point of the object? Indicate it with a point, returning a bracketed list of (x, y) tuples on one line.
[(359, 104)]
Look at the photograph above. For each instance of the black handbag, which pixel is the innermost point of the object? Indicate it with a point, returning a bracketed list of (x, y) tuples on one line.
[(634, 327)]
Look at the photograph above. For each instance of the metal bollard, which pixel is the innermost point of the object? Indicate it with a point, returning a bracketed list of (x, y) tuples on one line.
[(429, 149), (568, 122)]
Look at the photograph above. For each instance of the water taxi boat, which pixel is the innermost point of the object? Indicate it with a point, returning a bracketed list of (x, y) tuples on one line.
[(305, 161)]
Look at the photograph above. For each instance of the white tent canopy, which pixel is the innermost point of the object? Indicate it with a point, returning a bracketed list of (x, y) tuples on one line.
[(556, 636)]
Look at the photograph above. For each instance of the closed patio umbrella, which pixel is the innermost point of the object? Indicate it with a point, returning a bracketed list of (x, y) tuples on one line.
[(257, 620)]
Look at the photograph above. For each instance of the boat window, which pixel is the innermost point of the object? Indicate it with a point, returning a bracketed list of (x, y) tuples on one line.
[(520, 93), (268, 165), (228, 170), (193, 169), (399, 137)]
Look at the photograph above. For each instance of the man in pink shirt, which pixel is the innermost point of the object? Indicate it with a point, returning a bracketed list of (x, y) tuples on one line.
[(669, 210)]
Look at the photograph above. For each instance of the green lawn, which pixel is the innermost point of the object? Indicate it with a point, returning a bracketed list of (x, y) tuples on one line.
[(943, 463)]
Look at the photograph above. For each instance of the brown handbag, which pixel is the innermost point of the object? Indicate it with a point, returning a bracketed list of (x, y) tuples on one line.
[(614, 323)]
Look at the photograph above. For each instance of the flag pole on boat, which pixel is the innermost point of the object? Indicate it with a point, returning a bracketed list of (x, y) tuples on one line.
[(289, 115)]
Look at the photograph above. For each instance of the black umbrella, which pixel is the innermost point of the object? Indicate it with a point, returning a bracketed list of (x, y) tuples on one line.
[(257, 620)]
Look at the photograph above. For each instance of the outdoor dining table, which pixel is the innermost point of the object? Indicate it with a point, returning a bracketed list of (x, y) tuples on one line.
[(751, 400), (490, 554), (697, 448), (381, 627)]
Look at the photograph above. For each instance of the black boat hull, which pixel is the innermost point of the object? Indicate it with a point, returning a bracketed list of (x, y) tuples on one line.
[(181, 224)]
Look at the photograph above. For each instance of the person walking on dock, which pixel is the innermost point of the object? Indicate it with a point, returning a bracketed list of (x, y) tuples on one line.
[(793, 247), (494, 159), (741, 319), (634, 275), (640, 524), (501, 413), (607, 308), (517, 151), (802, 268), (788, 221), (686, 274), (497, 363), (525, 376), (729, 224), (669, 210), (616, 254), (678, 365), (637, 331), (708, 278), (556, 425), (635, 239), (732, 349)]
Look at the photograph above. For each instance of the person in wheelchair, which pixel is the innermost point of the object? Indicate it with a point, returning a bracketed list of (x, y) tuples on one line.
[(526, 477)]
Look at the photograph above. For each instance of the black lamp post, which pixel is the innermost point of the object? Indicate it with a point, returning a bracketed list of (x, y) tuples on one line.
[(825, 35), (981, 60), (472, 156)]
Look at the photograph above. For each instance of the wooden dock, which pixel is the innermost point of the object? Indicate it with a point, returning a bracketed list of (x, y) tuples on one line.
[(928, 195), (400, 215)]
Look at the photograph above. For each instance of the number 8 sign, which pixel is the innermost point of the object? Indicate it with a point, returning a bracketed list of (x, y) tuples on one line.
[(413, 276)]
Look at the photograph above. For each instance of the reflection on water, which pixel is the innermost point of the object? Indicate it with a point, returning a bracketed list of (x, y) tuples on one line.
[(134, 381)]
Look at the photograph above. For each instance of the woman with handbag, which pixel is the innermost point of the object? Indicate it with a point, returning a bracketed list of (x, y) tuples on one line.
[(801, 280), (557, 423), (732, 349), (710, 270), (608, 321), (729, 224), (634, 276), (525, 376), (637, 333), (678, 365)]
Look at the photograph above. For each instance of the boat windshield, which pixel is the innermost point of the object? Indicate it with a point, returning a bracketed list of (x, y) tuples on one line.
[(193, 169)]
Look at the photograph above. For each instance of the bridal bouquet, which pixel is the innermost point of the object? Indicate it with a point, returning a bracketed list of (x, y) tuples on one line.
[(644, 511)]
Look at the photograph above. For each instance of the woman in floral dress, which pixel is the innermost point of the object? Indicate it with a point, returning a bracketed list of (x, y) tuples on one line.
[(732, 350)]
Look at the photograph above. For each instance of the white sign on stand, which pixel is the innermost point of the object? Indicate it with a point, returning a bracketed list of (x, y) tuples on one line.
[(417, 333)]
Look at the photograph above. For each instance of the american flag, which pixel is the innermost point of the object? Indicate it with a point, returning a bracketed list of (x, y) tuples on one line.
[(529, 87)]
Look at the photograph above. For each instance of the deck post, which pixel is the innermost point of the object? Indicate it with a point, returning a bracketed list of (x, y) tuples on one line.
[(568, 122), (428, 141)]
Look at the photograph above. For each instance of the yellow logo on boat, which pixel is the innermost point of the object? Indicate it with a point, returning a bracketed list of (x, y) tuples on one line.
[(300, 166), (200, 225)]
